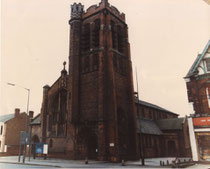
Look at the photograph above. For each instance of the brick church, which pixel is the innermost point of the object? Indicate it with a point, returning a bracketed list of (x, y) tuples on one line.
[(91, 110)]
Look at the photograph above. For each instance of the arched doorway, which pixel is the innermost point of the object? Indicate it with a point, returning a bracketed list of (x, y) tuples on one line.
[(92, 148), (34, 140), (171, 148)]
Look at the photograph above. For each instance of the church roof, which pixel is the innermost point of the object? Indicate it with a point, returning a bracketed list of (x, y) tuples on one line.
[(147, 126), (170, 124), (6, 117), (36, 120), (197, 62), (153, 106)]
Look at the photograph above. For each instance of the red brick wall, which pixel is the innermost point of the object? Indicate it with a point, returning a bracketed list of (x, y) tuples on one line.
[(13, 129), (196, 90)]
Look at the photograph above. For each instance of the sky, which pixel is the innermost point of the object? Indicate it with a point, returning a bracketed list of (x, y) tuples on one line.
[(165, 38)]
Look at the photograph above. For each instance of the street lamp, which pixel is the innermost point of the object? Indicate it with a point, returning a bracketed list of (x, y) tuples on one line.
[(26, 121), (140, 133)]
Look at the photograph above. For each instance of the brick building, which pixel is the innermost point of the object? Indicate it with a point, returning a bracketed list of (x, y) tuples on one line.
[(163, 134), (198, 90), (90, 111), (11, 126)]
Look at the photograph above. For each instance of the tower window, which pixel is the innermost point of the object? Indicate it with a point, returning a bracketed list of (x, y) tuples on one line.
[(86, 37), (95, 61), (121, 65), (113, 35), (115, 62), (120, 39), (96, 33), (87, 63), (49, 122)]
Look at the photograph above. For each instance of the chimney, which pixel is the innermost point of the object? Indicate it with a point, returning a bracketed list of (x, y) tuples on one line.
[(17, 112), (31, 114)]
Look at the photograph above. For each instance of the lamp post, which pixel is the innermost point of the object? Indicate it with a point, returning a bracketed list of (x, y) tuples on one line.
[(140, 133), (26, 121)]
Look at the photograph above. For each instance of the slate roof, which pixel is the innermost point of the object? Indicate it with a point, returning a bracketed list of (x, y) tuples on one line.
[(196, 63), (36, 120), (153, 106), (6, 117), (148, 127), (170, 124)]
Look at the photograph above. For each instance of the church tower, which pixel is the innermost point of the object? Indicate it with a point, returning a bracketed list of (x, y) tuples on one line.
[(101, 94)]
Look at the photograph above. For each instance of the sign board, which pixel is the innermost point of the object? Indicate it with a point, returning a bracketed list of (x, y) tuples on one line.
[(201, 122), (45, 149), (39, 147), (111, 144), (24, 137)]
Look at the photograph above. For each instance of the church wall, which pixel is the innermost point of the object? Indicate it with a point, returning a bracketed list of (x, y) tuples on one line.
[(89, 96)]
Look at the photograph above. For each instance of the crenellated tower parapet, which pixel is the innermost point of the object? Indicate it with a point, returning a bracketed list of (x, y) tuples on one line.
[(104, 4), (76, 11)]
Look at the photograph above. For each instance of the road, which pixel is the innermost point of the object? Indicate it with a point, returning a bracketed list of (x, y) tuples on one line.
[(6, 165)]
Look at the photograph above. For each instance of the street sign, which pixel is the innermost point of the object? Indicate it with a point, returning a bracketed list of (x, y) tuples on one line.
[(24, 137)]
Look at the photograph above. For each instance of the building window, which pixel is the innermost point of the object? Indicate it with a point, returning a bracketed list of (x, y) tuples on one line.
[(1, 130), (143, 115), (51, 143), (113, 35), (86, 37), (95, 61), (150, 114), (96, 33), (120, 39), (208, 97), (115, 63), (49, 122), (87, 63), (63, 104), (208, 64)]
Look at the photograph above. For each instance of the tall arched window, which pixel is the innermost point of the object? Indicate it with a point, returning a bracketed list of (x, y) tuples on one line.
[(96, 33), (63, 104), (86, 37), (51, 143), (113, 35), (120, 38)]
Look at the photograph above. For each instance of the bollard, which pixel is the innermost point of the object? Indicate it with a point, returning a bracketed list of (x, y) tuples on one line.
[(123, 163), (167, 162), (163, 163), (86, 160)]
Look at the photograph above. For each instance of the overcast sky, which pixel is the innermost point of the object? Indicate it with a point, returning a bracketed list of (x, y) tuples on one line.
[(165, 38)]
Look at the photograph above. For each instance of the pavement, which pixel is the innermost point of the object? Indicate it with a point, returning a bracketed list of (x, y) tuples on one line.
[(61, 163)]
